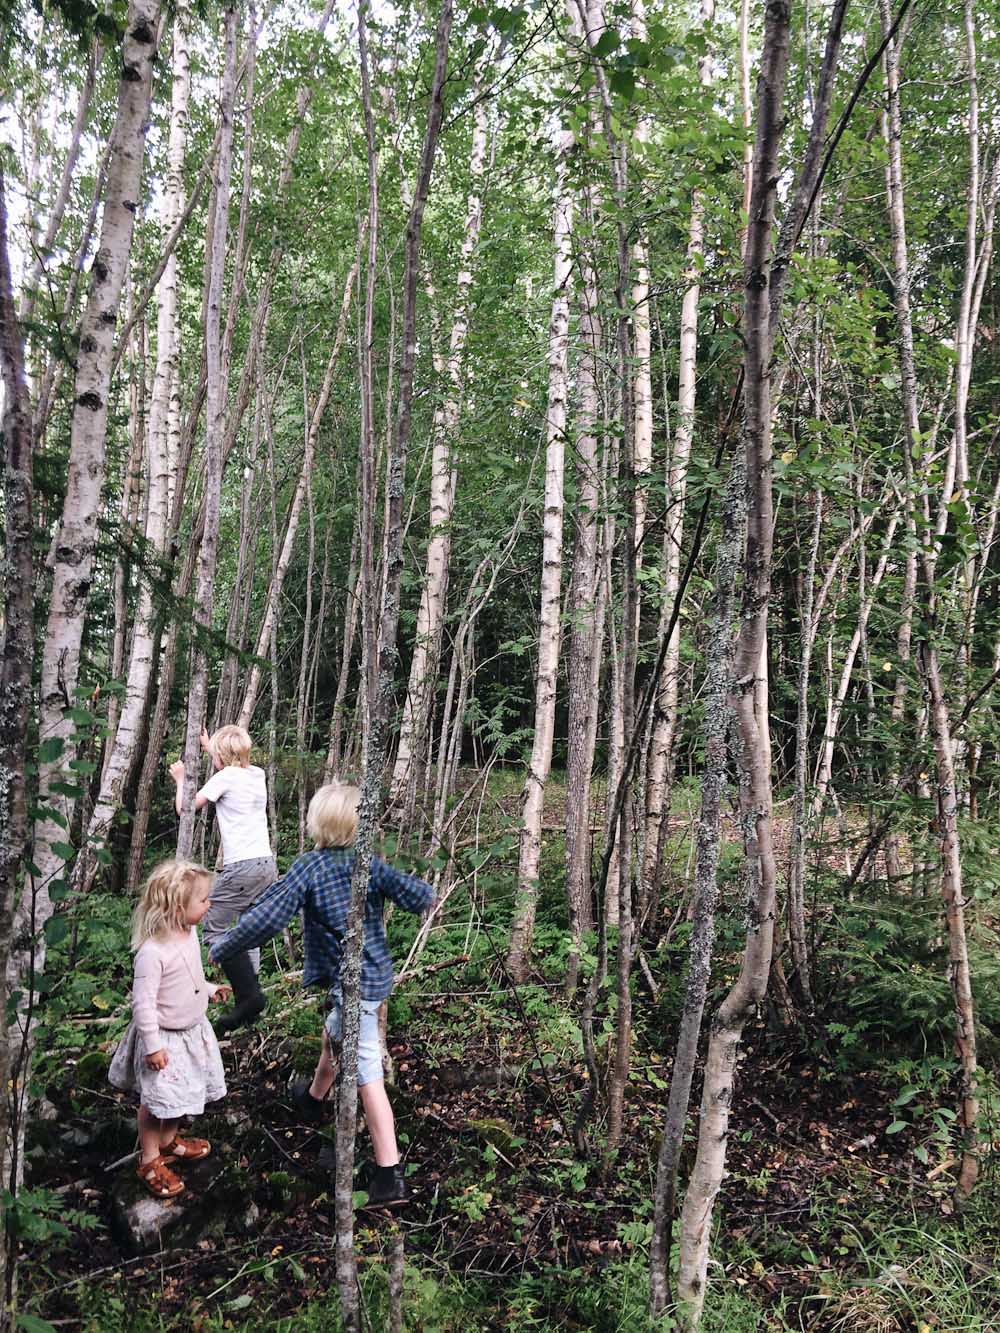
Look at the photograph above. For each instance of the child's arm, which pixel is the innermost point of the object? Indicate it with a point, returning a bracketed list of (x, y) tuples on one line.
[(269, 915), (176, 771), (412, 894)]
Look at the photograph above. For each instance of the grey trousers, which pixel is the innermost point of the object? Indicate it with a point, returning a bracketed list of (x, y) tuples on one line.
[(236, 888)]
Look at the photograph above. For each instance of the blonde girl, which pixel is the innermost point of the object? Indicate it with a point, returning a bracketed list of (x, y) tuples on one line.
[(169, 1053)]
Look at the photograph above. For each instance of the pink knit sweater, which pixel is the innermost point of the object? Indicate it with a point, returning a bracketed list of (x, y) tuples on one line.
[(169, 989)]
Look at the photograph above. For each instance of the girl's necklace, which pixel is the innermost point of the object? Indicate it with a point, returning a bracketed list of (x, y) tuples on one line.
[(187, 965)]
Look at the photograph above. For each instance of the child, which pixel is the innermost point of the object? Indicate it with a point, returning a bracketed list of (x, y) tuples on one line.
[(239, 791), (169, 1053), (319, 883)]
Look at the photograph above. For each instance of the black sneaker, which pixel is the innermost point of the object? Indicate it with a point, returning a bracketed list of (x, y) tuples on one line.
[(387, 1187), (309, 1107)]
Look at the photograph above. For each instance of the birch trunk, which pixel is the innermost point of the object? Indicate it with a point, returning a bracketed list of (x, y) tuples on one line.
[(954, 901), (77, 532), (262, 648), (380, 700), (956, 475), (658, 775), (352, 606), (585, 643), (551, 580), (892, 133), (165, 384), (755, 783), (414, 736), (132, 495), (824, 768), (215, 429), (15, 668), (718, 720), (797, 860), (44, 247)]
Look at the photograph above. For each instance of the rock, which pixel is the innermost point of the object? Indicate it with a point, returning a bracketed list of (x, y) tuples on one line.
[(247, 1222), (76, 1137), (46, 1111), (217, 1199)]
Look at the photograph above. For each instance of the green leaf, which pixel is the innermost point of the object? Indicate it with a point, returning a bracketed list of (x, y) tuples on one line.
[(31, 1323), (49, 812), (623, 83), (240, 1302), (47, 752), (907, 1095), (608, 42), (897, 1125), (81, 716), (56, 930), (63, 849)]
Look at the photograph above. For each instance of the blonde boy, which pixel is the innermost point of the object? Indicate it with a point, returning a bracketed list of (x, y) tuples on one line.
[(238, 790), (319, 885)]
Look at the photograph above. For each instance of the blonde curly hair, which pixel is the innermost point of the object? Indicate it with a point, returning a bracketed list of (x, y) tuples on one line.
[(163, 899)]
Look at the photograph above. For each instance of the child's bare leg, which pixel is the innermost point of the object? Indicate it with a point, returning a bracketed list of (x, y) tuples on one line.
[(325, 1073), (381, 1122), (154, 1134)]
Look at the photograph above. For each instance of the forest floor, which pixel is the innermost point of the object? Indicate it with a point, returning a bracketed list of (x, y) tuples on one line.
[(835, 1214), (499, 1200)]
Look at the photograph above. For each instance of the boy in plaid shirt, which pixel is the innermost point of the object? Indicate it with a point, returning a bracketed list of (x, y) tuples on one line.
[(319, 885)]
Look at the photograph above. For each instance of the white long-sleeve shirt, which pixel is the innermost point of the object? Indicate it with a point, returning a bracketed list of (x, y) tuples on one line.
[(169, 989)]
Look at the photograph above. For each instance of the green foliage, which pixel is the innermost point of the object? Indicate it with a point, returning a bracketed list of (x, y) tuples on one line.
[(37, 1216)]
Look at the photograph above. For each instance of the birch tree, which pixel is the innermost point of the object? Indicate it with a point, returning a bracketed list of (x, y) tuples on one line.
[(16, 660), (215, 424), (658, 783), (550, 593), (164, 400), (414, 735), (585, 605), (77, 530), (262, 649), (379, 675)]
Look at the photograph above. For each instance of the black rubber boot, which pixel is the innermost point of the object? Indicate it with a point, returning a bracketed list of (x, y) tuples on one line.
[(387, 1187), (248, 998)]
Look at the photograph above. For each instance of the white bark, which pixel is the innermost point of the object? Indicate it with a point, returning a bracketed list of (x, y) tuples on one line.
[(551, 580), (215, 430), (585, 623), (77, 533), (262, 649), (414, 736), (164, 397), (824, 767)]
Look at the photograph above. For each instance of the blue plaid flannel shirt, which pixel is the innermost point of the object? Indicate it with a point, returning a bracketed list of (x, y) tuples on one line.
[(319, 885)]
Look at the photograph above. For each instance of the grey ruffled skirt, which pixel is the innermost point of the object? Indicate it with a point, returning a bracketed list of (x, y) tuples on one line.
[(193, 1074)]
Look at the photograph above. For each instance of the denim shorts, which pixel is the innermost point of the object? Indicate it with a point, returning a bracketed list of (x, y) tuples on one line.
[(369, 1048)]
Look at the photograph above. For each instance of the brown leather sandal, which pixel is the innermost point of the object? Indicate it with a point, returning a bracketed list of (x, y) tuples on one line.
[(159, 1179), (186, 1150)]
